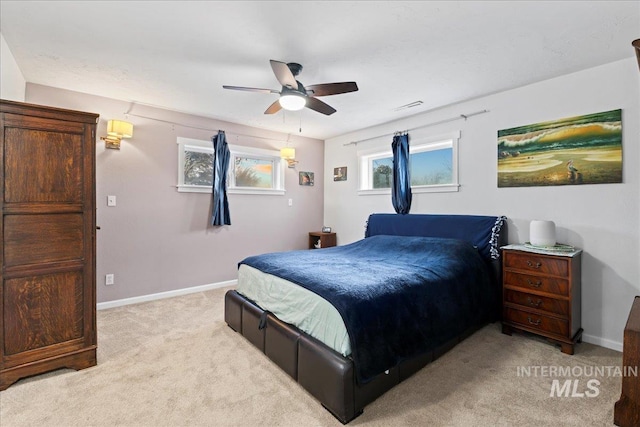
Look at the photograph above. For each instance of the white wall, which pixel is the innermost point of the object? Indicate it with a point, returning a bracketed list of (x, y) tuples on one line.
[(12, 82), (602, 219), (158, 240)]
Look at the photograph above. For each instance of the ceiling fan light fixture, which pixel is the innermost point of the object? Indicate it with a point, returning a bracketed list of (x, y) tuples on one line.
[(295, 96), (292, 102)]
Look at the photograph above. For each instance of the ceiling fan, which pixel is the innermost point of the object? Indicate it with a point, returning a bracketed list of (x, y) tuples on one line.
[(294, 95)]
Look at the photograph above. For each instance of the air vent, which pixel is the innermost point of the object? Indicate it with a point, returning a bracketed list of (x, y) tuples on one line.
[(410, 105)]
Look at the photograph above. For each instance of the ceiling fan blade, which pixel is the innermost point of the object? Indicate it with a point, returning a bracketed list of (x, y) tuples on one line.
[(273, 108), (331, 88), (319, 106), (251, 89), (284, 74)]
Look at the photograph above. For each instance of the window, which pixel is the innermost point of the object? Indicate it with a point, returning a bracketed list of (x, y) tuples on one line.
[(251, 170), (255, 171), (433, 165), (198, 166)]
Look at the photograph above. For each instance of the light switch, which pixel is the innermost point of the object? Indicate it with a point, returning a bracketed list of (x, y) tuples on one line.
[(111, 200), (290, 202)]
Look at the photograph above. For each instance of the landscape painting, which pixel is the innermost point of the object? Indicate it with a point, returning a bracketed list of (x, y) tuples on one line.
[(576, 150)]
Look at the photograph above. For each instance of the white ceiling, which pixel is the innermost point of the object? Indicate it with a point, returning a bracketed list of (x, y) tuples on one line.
[(178, 54)]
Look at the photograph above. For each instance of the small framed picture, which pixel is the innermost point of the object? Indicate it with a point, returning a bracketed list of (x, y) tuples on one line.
[(326, 229), (305, 178), (340, 174)]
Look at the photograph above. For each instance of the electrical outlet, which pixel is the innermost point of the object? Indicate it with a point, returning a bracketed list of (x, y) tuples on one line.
[(109, 279)]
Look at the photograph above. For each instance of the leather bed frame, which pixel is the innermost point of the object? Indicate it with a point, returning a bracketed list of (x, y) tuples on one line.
[(323, 372)]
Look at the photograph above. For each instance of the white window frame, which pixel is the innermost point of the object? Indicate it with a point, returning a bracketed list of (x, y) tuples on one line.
[(419, 145), (187, 144)]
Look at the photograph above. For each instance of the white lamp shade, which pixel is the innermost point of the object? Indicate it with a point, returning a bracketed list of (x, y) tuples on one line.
[(542, 233), (120, 129), (288, 153), (292, 102)]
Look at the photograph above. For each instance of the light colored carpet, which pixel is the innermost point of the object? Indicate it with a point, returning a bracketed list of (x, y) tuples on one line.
[(174, 362)]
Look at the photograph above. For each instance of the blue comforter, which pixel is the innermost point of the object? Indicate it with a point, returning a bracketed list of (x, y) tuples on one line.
[(399, 296)]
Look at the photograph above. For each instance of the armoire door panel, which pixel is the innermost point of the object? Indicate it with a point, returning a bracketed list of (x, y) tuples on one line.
[(47, 310), (42, 166), (43, 238)]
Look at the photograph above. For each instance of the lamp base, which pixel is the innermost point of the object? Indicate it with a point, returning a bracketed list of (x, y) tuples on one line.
[(111, 142)]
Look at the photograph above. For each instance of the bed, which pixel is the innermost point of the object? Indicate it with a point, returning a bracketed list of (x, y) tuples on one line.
[(350, 322)]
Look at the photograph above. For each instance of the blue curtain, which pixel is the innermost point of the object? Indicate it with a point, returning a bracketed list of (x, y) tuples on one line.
[(401, 190), (221, 155)]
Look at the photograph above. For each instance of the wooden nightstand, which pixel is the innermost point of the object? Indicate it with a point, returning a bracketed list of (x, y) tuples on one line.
[(326, 239), (541, 294)]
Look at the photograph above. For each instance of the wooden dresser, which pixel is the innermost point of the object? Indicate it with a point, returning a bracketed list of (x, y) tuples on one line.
[(627, 410), (541, 294), (47, 261)]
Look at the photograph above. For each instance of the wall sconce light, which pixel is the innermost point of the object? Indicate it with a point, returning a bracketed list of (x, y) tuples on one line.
[(289, 154), (116, 131)]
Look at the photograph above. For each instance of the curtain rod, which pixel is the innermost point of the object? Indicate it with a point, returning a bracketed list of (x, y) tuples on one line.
[(461, 116), (207, 129)]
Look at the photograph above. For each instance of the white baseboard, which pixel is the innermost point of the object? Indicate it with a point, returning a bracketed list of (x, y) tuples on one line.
[(602, 342), (162, 295)]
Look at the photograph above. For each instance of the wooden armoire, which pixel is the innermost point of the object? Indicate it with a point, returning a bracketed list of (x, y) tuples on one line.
[(48, 233)]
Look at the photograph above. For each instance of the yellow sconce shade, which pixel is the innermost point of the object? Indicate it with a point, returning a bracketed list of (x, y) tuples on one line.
[(289, 154), (120, 128), (116, 131)]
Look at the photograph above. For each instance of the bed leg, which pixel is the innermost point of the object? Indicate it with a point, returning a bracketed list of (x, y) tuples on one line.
[(356, 415)]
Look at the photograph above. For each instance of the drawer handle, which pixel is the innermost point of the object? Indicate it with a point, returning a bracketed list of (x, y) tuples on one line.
[(532, 265), (536, 323), (535, 284), (533, 303)]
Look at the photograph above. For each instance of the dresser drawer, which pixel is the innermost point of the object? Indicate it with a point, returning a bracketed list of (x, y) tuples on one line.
[(537, 263), (544, 284), (537, 321), (551, 305)]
